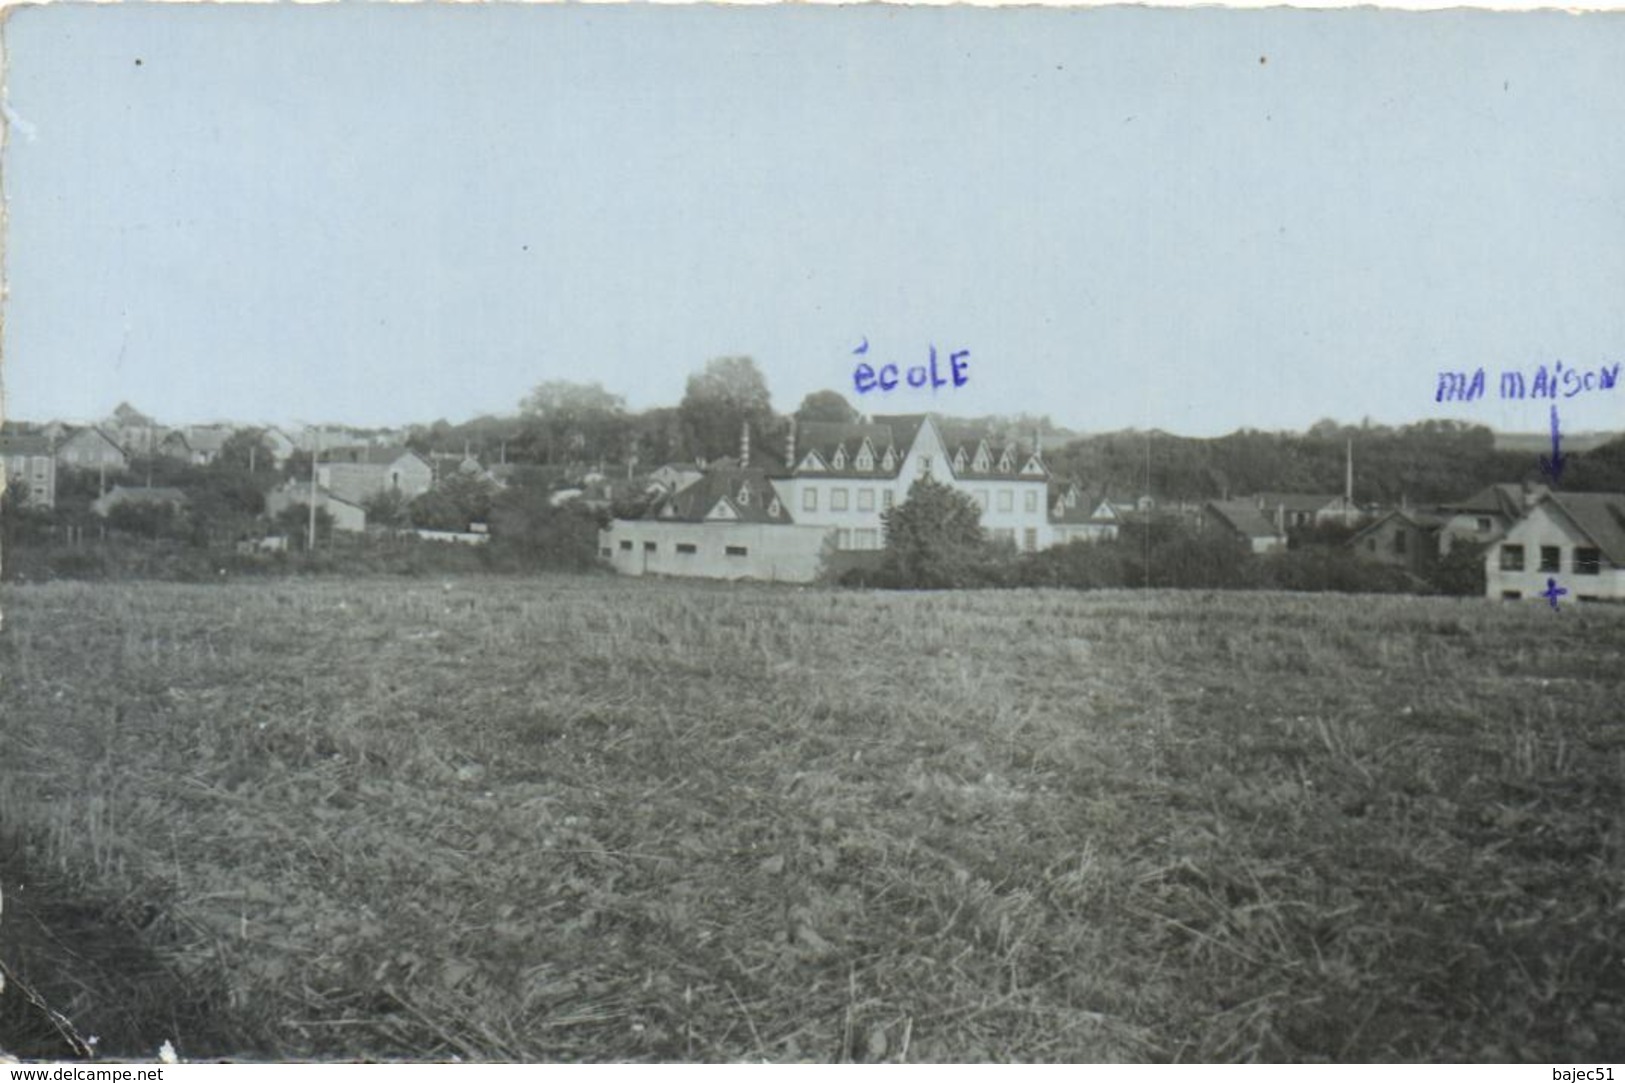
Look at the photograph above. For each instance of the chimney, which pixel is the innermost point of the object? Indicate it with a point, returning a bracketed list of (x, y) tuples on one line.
[(1348, 477), (790, 445), (1038, 443), (744, 445)]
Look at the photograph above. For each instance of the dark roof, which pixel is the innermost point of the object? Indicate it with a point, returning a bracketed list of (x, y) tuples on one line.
[(828, 437), (1601, 516), (959, 439), (695, 502), (1244, 518), (1075, 505), (1423, 519), (1296, 501), (299, 493), (89, 430), (14, 443), (375, 456), (1503, 498)]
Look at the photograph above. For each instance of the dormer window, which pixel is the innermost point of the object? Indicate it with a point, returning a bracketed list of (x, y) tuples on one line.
[(744, 495), (888, 461), (812, 463), (1007, 462), (983, 459), (959, 461), (1033, 466), (839, 460), (774, 510), (866, 457)]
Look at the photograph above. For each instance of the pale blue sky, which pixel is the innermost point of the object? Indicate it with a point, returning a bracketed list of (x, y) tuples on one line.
[(1193, 220)]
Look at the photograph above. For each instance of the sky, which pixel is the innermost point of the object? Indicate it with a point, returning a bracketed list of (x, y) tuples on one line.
[(1195, 220)]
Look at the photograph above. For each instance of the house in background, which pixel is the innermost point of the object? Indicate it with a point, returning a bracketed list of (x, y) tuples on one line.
[(357, 474), (134, 431), (1485, 516), (1575, 539), (122, 495), (280, 444), (675, 476), (1244, 520), (90, 448), (1298, 511), (731, 524), (347, 515), (1408, 538), (30, 465), (1074, 517)]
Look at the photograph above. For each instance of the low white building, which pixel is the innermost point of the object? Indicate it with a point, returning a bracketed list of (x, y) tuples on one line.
[(1572, 541)]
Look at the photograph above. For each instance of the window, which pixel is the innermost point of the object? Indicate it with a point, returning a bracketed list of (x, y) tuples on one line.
[(866, 538), (1512, 558), (775, 509), (1029, 539), (1484, 524), (737, 551), (866, 500), (1030, 501), (626, 546), (888, 460), (1551, 558), (980, 497), (886, 498), (1007, 462), (837, 500), (843, 539), (1587, 561), (982, 460), (649, 547), (809, 499), (606, 551), (866, 458), (1512, 595), (925, 464), (686, 548), (744, 495), (1006, 500), (839, 461), (1400, 540)]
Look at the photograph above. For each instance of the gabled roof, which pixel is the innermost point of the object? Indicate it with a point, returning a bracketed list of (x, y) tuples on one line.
[(299, 493), (825, 438), (1503, 499), (717, 496), (1423, 519), (1600, 516), (89, 432), (371, 456), (1297, 501), (1244, 518), (984, 456)]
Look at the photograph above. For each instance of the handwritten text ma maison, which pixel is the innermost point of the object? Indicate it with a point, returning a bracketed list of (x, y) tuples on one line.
[(1558, 382)]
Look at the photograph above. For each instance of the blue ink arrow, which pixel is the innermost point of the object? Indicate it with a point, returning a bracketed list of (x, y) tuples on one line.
[(864, 348), (1553, 467), (1553, 592)]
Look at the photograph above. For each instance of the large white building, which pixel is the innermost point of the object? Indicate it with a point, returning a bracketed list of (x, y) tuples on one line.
[(1574, 541), (763, 519)]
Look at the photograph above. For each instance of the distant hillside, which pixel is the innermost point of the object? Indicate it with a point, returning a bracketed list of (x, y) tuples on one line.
[(1536, 443)]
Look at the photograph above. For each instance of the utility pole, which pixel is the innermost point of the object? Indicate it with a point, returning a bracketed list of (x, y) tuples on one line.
[(315, 453)]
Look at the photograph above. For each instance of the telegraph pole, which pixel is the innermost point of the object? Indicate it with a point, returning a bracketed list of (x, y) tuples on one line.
[(315, 453)]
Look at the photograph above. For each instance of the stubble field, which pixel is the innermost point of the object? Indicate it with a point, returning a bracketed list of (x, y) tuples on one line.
[(587, 818)]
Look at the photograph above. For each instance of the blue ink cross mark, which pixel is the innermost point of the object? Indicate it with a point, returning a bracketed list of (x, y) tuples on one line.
[(1553, 592)]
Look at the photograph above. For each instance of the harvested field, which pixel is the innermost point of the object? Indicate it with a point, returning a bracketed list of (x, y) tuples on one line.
[(597, 819)]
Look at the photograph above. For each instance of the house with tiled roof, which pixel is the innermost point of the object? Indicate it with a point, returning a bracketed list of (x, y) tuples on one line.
[(730, 524), (347, 514), (1485, 516), (358, 474), (89, 448), (30, 466), (1293, 511), (1246, 521), (1573, 540), (1408, 538), (1074, 516)]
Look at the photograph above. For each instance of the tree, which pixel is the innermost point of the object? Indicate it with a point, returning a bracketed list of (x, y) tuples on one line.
[(571, 422), (294, 521), (826, 406), (721, 398), (246, 450), (528, 532), (453, 504), (934, 539)]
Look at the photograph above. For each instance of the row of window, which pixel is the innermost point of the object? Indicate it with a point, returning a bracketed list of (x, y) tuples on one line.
[(866, 538), (839, 498), (1029, 537), (686, 549), (1586, 561), (1006, 500)]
